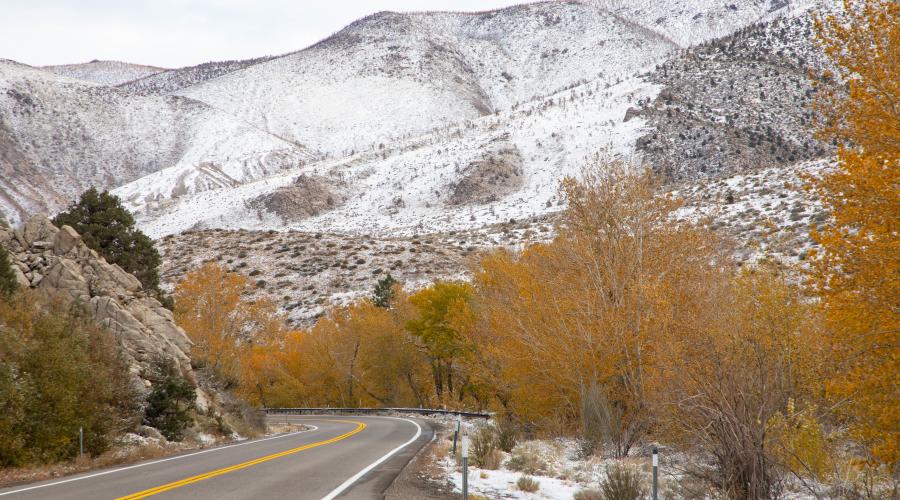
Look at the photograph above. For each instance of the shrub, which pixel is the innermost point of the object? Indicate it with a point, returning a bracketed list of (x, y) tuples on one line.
[(8, 282), (588, 495), (622, 483), (507, 434), (526, 458), (484, 443), (170, 402), (493, 460), (528, 484), (58, 372), (798, 442)]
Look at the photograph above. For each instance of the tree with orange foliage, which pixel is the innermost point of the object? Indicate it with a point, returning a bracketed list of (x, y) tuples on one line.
[(355, 355), (857, 274), (211, 308), (569, 330), (732, 373)]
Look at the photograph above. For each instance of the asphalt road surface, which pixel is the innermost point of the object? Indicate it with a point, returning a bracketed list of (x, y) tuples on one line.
[(341, 457)]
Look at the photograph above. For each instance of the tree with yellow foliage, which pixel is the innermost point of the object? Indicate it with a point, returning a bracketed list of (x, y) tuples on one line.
[(223, 324), (732, 374), (355, 355), (569, 331), (441, 315), (857, 274)]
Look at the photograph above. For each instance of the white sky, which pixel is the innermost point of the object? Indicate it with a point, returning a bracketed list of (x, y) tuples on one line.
[(174, 33)]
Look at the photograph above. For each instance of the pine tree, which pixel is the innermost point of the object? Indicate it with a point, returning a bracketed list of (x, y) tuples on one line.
[(384, 292), (108, 227), (7, 278), (170, 402)]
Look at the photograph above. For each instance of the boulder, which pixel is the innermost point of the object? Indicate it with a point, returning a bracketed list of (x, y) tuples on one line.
[(66, 239), (21, 279), (150, 432), (37, 229), (65, 276)]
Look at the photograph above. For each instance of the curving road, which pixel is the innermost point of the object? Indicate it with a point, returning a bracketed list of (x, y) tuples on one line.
[(341, 457)]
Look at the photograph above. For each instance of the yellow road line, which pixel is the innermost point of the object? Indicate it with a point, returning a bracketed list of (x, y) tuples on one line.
[(218, 472)]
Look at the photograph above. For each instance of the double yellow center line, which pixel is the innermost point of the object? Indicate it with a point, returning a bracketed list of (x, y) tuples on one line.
[(218, 472)]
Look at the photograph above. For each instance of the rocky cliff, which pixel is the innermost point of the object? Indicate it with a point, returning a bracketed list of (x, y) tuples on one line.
[(57, 260)]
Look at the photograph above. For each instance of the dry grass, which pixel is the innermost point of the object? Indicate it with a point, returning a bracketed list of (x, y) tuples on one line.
[(528, 484), (282, 428), (119, 456)]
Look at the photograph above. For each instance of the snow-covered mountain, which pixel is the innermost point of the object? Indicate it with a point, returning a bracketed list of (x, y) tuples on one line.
[(390, 75), (409, 123), (104, 72), (736, 103), (60, 136)]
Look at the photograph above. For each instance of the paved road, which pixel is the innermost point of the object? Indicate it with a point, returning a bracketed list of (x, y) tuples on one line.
[(343, 457)]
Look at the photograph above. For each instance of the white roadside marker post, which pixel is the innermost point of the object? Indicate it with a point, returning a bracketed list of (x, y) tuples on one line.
[(465, 466), (80, 442), (655, 470), (456, 432)]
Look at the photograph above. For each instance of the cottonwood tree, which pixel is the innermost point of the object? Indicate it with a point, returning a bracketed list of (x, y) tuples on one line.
[(223, 323), (732, 372), (857, 273), (580, 317), (440, 314)]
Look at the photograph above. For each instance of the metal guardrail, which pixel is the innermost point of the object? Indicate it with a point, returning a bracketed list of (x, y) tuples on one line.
[(370, 411)]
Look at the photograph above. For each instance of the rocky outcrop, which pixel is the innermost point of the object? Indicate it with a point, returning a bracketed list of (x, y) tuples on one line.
[(307, 196), (57, 261), (497, 173)]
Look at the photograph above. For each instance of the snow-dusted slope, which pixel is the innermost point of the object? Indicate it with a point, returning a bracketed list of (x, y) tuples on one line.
[(104, 72), (59, 136), (736, 103), (489, 170), (690, 22), (167, 81), (392, 75), (414, 122)]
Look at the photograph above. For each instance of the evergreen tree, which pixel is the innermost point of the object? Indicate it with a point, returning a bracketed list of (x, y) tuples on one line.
[(384, 292), (108, 227), (170, 402), (7, 278)]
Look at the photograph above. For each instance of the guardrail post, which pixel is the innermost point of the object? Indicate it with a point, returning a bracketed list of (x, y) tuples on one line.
[(465, 466)]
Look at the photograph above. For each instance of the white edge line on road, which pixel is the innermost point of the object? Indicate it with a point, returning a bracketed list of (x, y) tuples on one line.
[(120, 469), (346, 484)]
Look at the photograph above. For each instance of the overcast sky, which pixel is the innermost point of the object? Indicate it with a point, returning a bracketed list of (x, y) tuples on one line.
[(174, 33)]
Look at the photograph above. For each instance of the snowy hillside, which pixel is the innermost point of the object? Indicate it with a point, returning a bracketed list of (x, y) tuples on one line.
[(481, 172), (59, 136), (422, 122), (163, 82), (109, 73), (736, 103), (680, 116), (391, 75), (691, 22)]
